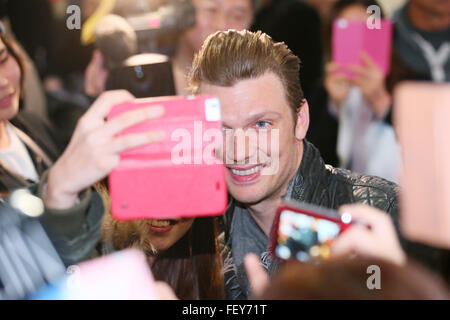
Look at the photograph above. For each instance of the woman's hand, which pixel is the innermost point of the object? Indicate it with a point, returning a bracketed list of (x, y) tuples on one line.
[(94, 150), (337, 84), (379, 242), (370, 80)]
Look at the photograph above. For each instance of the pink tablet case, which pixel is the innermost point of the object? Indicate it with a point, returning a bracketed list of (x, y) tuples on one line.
[(421, 114), (147, 184), (350, 38)]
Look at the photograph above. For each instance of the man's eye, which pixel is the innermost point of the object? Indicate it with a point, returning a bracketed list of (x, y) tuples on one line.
[(262, 124), (226, 131)]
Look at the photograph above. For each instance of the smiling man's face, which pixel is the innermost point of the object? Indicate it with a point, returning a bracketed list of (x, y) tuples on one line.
[(260, 104)]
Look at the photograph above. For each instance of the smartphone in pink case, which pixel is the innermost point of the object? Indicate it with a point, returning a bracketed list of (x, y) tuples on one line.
[(351, 38), (179, 176)]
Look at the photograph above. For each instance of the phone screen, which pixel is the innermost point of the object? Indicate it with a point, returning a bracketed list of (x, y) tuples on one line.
[(304, 237)]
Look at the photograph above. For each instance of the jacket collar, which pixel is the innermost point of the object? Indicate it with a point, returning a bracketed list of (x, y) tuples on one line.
[(312, 170)]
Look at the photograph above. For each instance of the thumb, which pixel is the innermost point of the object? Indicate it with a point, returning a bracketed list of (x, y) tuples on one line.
[(257, 275)]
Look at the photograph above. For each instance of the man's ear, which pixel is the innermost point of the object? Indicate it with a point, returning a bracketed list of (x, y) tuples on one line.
[(302, 121)]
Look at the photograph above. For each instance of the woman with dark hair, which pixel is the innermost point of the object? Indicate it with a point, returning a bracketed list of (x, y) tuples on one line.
[(27, 145), (356, 110)]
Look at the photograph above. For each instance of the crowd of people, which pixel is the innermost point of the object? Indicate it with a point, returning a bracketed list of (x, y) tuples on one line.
[(272, 58)]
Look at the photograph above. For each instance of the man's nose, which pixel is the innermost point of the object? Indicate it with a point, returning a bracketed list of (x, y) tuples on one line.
[(240, 146)]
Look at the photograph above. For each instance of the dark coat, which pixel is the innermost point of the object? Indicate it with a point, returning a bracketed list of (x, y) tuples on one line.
[(42, 134)]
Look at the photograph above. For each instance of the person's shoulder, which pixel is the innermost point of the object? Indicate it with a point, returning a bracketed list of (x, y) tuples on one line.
[(39, 129), (31, 121), (363, 180), (367, 189), (399, 14)]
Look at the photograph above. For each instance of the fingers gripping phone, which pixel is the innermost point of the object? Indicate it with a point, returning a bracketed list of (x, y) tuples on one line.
[(305, 232), (179, 176)]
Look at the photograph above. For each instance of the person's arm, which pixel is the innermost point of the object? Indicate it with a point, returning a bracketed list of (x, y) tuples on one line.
[(371, 81), (74, 231), (94, 150), (337, 86), (73, 210)]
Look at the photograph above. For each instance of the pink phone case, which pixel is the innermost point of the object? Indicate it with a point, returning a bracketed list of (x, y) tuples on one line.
[(350, 38), (149, 184), (422, 113)]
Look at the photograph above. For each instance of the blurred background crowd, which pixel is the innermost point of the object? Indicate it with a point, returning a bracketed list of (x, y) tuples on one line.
[(65, 71)]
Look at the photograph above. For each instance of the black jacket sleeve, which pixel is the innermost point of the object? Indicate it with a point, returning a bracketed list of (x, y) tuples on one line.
[(74, 232)]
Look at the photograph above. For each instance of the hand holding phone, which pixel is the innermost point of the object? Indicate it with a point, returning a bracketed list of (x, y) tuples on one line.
[(309, 233), (370, 79), (94, 150), (178, 177), (380, 241), (336, 83), (306, 232)]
